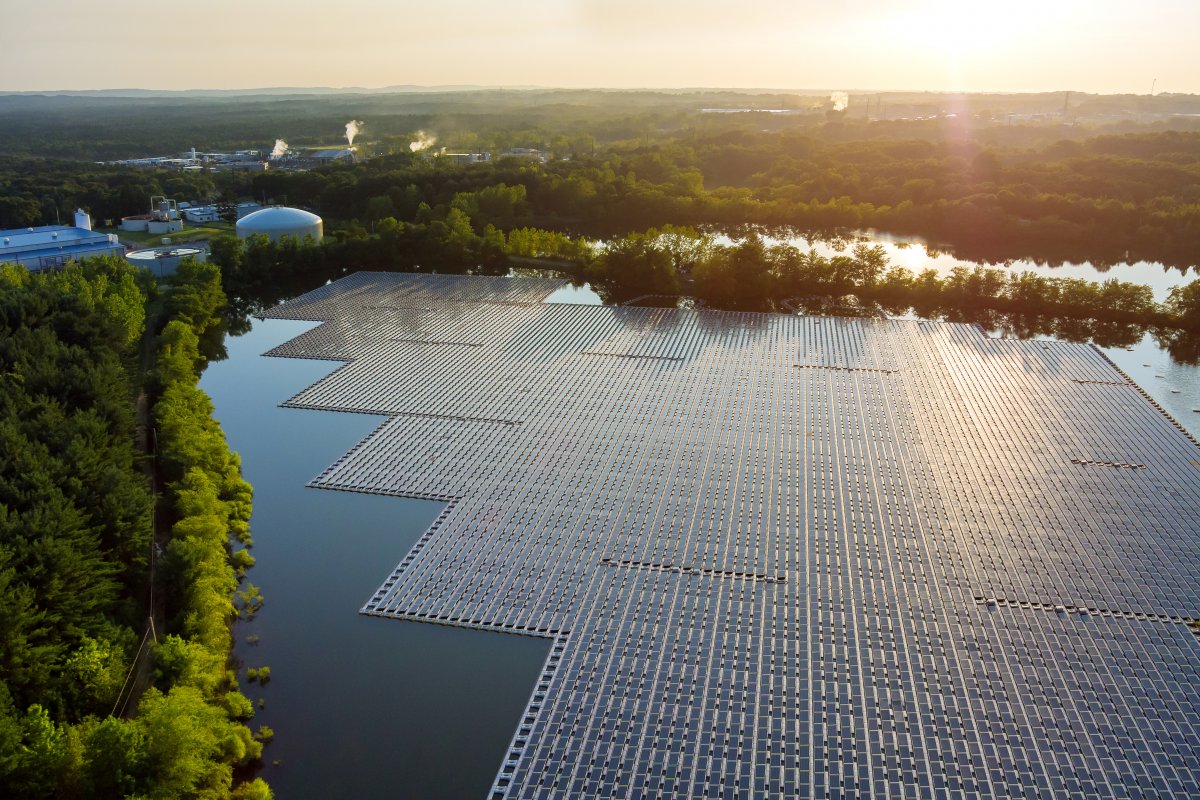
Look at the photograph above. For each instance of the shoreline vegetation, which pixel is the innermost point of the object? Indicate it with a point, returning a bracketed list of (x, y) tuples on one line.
[(992, 194), (116, 641), (746, 275)]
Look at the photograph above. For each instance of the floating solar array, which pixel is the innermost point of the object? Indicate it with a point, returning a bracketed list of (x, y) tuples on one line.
[(783, 556)]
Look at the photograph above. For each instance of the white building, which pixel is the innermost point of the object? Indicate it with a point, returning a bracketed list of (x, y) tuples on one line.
[(163, 218), (467, 158), (51, 246), (200, 214), (526, 154)]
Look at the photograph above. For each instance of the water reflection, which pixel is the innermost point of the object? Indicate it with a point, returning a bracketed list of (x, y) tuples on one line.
[(361, 707), (914, 253)]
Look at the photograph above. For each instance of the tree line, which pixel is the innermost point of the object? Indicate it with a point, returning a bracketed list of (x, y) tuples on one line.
[(1106, 199), (39, 191), (746, 274), (987, 190), (77, 543)]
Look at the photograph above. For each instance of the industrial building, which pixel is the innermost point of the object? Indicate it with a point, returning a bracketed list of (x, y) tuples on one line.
[(465, 158), (194, 161), (329, 155), (163, 218), (198, 215), (782, 556), (485, 157), (50, 246), (279, 221), (201, 214), (526, 154)]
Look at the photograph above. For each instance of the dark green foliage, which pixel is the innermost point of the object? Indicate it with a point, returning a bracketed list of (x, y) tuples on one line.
[(36, 191), (637, 265), (74, 538), (1184, 303), (74, 510), (199, 573), (991, 198)]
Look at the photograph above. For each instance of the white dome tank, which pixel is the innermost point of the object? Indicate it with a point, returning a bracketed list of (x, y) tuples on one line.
[(281, 221)]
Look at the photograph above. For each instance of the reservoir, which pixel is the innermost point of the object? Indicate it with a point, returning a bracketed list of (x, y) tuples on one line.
[(367, 707), (361, 707), (780, 555)]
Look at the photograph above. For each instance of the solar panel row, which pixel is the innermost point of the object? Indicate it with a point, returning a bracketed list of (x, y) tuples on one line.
[(783, 555)]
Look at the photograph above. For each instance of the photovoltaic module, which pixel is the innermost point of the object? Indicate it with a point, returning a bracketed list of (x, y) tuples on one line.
[(782, 556)]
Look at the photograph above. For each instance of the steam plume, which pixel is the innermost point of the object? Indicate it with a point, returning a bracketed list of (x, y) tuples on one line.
[(840, 100), (422, 142), (353, 128), (281, 147)]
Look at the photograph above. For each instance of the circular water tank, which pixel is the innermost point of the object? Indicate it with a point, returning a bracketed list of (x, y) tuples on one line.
[(163, 261), (281, 221)]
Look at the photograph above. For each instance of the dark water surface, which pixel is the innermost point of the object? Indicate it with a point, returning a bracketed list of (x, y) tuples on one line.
[(361, 707)]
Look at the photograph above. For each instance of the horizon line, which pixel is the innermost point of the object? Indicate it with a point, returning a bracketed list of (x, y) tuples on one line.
[(466, 87)]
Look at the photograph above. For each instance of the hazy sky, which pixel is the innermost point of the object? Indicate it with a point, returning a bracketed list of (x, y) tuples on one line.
[(1026, 45)]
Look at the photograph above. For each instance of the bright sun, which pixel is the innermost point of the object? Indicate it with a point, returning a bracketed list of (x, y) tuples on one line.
[(962, 33)]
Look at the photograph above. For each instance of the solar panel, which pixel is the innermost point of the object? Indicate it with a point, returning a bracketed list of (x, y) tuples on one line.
[(782, 555)]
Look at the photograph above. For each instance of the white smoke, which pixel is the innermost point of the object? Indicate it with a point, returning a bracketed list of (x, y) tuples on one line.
[(840, 100), (281, 148), (423, 141), (353, 128)]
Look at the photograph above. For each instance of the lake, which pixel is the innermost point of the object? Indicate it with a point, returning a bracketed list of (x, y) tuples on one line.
[(361, 707), (916, 254), (366, 707)]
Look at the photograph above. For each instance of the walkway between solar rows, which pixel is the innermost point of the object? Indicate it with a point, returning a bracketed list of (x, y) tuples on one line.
[(783, 555)]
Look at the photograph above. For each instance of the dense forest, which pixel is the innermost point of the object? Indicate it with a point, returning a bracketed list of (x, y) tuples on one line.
[(116, 599), (991, 178), (92, 126), (1107, 199)]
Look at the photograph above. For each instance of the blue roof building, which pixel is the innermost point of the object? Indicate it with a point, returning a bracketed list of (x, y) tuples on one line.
[(50, 246)]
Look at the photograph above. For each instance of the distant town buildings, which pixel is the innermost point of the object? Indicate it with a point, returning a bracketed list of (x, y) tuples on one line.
[(485, 156), (467, 158), (526, 154), (193, 161)]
